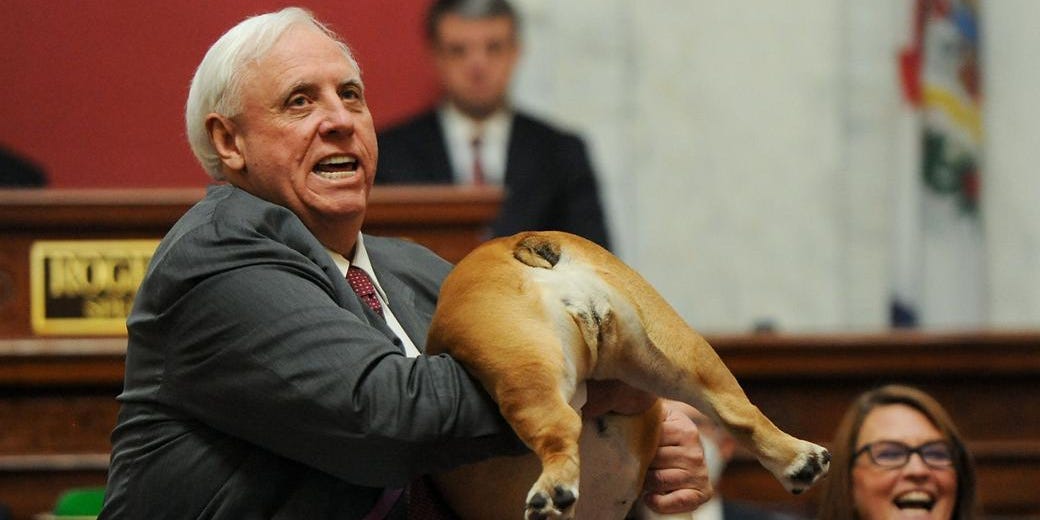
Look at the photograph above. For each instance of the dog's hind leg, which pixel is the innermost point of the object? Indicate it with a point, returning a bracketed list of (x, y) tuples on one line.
[(533, 385), (533, 398), (678, 363), (656, 350), (699, 378)]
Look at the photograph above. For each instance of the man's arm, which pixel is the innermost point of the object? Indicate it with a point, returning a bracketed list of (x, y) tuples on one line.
[(265, 355)]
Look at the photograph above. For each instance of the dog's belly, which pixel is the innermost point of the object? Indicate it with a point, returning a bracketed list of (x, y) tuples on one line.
[(613, 449), (612, 470)]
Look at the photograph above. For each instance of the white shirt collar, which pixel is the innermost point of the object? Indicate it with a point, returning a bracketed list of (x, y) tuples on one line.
[(362, 261), (459, 131)]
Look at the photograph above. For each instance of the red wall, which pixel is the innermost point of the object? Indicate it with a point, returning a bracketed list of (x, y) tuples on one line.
[(94, 90)]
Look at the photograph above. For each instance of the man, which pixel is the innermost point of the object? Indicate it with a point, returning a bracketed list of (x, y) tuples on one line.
[(260, 382), (475, 137), (19, 172)]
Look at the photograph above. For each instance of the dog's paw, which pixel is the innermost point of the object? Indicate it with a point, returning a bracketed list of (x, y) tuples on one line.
[(557, 505), (809, 466)]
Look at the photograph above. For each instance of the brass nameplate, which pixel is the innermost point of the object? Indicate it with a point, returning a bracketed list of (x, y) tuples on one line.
[(85, 286)]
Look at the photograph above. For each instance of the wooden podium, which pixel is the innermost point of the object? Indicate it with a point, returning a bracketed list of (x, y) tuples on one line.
[(57, 393)]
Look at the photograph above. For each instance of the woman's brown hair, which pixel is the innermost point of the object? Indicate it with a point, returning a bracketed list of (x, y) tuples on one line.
[(836, 498)]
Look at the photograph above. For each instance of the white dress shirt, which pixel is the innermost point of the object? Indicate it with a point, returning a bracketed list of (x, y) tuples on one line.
[(710, 510), (459, 132)]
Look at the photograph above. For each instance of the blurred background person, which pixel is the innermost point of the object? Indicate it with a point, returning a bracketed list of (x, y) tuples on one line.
[(719, 448), (897, 454), (19, 172), (475, 136)]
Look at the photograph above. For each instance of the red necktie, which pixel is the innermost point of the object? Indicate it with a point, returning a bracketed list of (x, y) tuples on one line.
[(426, 503), (362, 285), (478, 166)]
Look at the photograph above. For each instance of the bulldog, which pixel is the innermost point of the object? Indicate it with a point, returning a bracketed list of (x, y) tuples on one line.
[(533, 316)]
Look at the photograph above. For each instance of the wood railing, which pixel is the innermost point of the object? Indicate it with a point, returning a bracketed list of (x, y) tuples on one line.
[(57, 405)]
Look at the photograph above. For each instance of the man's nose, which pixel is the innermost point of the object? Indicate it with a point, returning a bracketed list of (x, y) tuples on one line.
[(336, 118), (476, 57)]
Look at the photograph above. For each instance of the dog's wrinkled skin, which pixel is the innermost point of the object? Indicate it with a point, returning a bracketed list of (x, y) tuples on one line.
[(532, 316)]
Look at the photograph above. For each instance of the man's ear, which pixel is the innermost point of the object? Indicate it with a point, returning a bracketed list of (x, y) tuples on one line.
[(223, 134)]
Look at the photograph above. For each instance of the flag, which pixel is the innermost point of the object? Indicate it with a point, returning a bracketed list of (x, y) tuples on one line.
[(939, 277)]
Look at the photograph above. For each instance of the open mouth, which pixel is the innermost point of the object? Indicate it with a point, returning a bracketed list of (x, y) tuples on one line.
[(915, 500), (336, 167)]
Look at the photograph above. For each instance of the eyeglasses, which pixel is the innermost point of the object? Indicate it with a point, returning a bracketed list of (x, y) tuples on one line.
[(894, 454)]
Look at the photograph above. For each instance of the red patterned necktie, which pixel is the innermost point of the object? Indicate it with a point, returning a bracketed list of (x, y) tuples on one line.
[(362, 285)]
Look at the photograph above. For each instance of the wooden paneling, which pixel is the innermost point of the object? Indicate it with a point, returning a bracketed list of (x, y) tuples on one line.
[(449, 220), (57, 406)]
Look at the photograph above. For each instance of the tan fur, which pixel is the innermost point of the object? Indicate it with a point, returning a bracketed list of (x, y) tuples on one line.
[(534, 315)]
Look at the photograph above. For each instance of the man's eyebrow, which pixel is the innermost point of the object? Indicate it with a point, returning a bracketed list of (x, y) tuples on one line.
[(301, 86), (353, 82), (311, 88)]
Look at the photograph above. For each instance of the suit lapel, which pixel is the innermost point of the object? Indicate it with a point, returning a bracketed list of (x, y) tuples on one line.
[(528, 181), (403, 305), (519, 159), (435, 149), (406, 305)]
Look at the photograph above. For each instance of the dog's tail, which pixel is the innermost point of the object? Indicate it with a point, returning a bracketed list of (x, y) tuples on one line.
[(537, 250)]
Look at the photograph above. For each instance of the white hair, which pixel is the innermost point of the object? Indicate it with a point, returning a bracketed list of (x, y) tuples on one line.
[(216, 87)]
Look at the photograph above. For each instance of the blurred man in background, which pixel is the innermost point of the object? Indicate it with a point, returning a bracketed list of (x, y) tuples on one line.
[(476, 137)]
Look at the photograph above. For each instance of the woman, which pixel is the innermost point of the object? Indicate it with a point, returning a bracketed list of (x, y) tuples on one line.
[(875, 473)]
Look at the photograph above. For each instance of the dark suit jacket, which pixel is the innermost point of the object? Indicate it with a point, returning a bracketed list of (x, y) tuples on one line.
[(549, 182), (19, 172), (258, 385)]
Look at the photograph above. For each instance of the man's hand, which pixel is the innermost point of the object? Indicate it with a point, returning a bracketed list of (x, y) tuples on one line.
[(677, 480)]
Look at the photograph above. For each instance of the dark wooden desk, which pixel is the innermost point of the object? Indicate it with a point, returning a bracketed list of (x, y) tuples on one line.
[(449, 220), (57, 405)]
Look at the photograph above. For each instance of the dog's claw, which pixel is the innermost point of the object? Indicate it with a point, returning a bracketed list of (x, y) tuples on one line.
[(558, 507), (814, 465), (563, 498)]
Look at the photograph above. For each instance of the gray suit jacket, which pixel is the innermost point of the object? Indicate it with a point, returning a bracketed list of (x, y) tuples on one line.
[(258, 385)]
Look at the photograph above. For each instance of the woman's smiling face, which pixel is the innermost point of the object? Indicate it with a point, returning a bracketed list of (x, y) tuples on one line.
[(915, 490)]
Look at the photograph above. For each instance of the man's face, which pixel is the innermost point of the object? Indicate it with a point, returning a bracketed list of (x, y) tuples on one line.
[(475, 59), (305, 138)]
